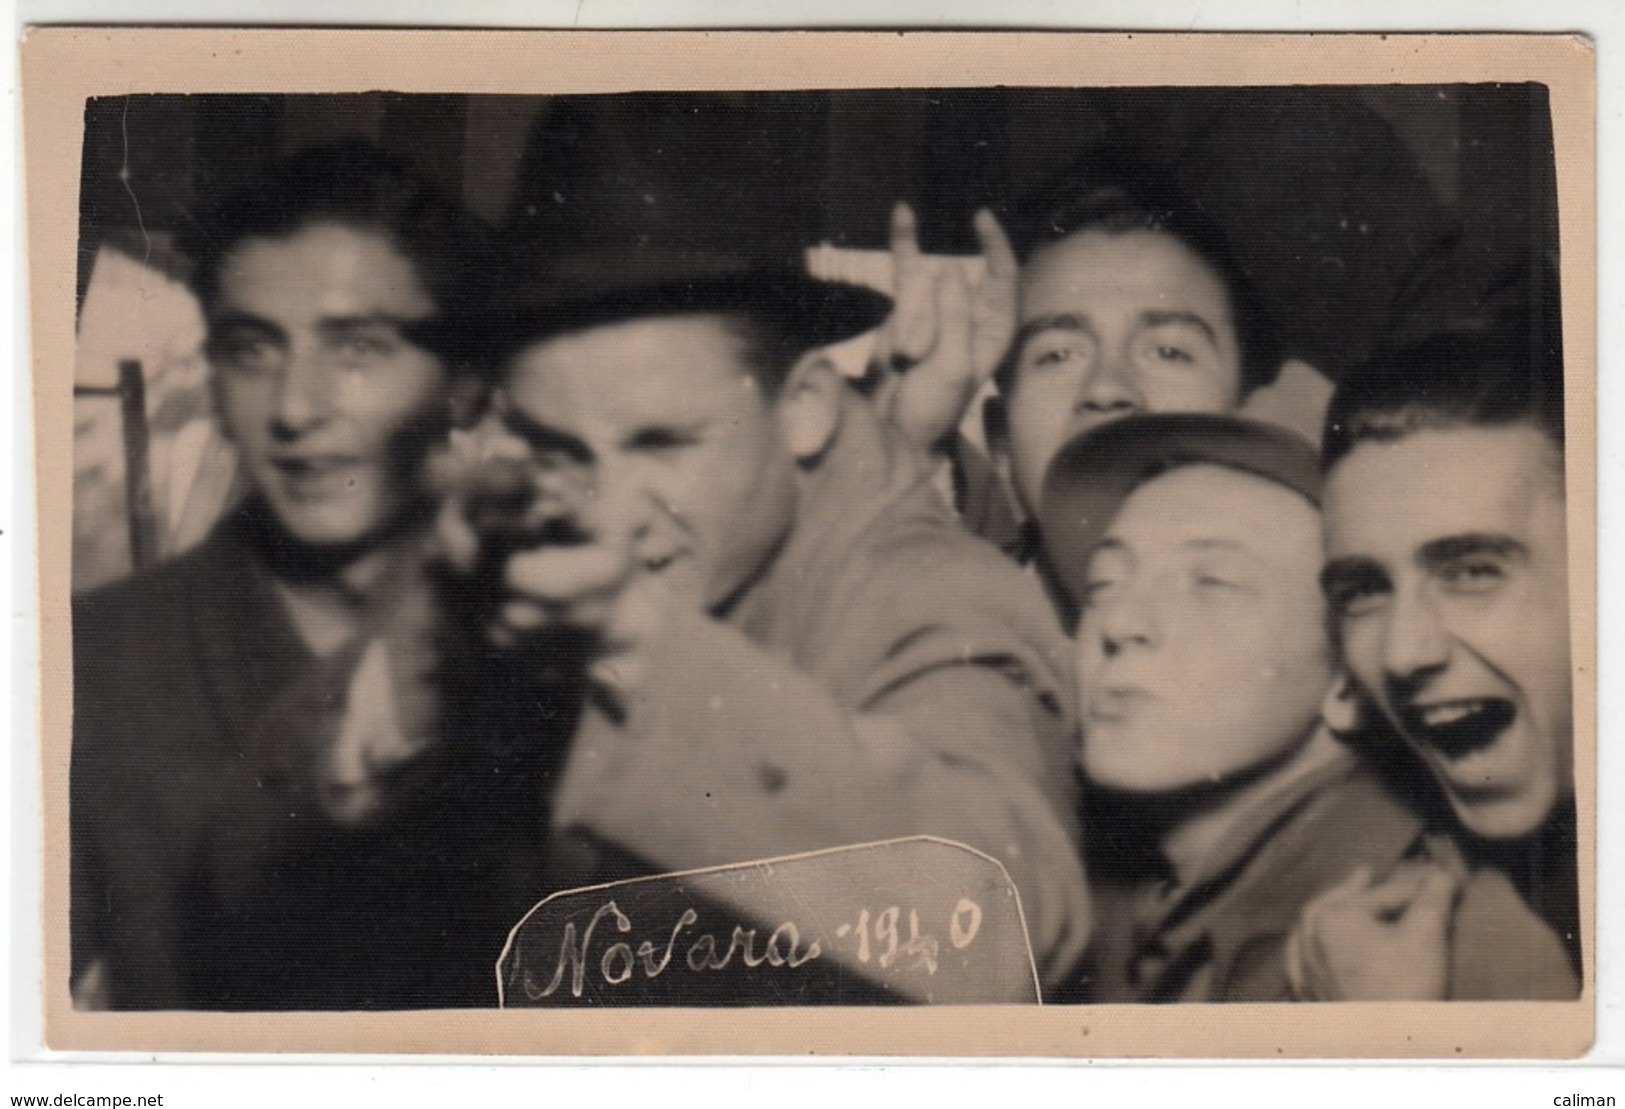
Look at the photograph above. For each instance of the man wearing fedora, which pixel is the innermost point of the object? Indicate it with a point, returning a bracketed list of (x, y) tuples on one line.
[(1210, 689), (784, 640)]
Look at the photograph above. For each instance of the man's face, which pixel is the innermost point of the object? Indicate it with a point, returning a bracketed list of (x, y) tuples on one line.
[(1202, 651), (1110, 325), (1448, 574), (668, 443), (329, 406)]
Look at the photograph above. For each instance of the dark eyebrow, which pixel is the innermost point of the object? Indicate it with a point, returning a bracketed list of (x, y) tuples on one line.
[(543, 438), (1453, 547), (674, 430), (1160, 317), (243, 321), (331, 324), (1056, 321), (1342, 574)]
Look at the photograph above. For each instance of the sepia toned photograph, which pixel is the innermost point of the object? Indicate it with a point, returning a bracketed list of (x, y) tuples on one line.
[(732, 544)]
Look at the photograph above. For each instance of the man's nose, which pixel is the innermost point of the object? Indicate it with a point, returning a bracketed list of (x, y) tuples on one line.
[(1127, 618), (611, 500), (303, 394), (1415, 642), (1111, 387)]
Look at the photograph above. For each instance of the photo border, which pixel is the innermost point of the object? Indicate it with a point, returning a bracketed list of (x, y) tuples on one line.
[(62, 67)]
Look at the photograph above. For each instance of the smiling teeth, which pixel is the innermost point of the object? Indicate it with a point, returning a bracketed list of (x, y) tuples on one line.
[(1440, 715)]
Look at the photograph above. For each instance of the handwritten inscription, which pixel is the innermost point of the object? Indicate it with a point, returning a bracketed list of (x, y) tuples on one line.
[(878, 938), (618, 964), (924, 949), (909, 921)]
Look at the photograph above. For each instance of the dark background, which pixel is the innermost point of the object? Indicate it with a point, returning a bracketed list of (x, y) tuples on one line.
[(1358, 211)]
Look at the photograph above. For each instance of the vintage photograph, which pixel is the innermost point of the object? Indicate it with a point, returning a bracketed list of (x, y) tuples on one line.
[(1063, 546)]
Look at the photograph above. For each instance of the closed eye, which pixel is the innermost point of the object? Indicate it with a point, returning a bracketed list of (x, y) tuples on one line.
[(1354, 587), (1096, 591), (662, 440)]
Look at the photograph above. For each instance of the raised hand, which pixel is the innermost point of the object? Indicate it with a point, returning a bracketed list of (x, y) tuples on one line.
[(1388, 940), (540, 560), (946, 336)]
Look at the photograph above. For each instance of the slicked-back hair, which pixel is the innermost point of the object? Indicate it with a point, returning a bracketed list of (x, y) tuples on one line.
[(1137, 199), (1501, 376), (355, 184)]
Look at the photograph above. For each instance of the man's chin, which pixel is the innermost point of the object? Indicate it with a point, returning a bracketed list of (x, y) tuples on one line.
[(332, 527), (338, 532), (1502, 813)]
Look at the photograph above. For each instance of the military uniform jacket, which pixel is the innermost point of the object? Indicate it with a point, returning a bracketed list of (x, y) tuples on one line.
[(1221, 935)]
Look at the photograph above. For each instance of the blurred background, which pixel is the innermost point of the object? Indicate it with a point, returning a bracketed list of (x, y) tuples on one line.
[(1363, 214)]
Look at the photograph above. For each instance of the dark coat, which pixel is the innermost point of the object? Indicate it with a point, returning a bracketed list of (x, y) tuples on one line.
[(202, 874)]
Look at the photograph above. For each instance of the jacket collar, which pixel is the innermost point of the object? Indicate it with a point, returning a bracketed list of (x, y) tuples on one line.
[(1304, 841), (248, 646)]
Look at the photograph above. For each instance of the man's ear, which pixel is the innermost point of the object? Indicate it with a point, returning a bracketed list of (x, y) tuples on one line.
[(1343, 708), (809, 405)]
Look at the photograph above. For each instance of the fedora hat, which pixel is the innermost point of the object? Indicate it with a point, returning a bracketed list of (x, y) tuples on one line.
[(658, 205)]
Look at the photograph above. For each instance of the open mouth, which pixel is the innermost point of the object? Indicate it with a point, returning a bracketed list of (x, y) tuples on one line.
[(1458, 728)]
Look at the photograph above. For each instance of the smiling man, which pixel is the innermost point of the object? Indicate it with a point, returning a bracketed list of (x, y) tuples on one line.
[(258, 818), (1447, 574), (1210, 690)]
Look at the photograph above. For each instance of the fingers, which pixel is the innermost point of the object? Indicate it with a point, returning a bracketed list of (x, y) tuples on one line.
[(458, 544), (641, 610), (929, 400), (912, 331), (1432, 909), (905, 233), (1387, 939), (954, 325), (570, 585), (1394, 893), (480, 472), (996, 307), (995, 244)]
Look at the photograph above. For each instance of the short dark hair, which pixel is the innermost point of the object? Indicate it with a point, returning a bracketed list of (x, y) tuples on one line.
[(352, 183), (1504, 375), (1129, 198), (769, 347)]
